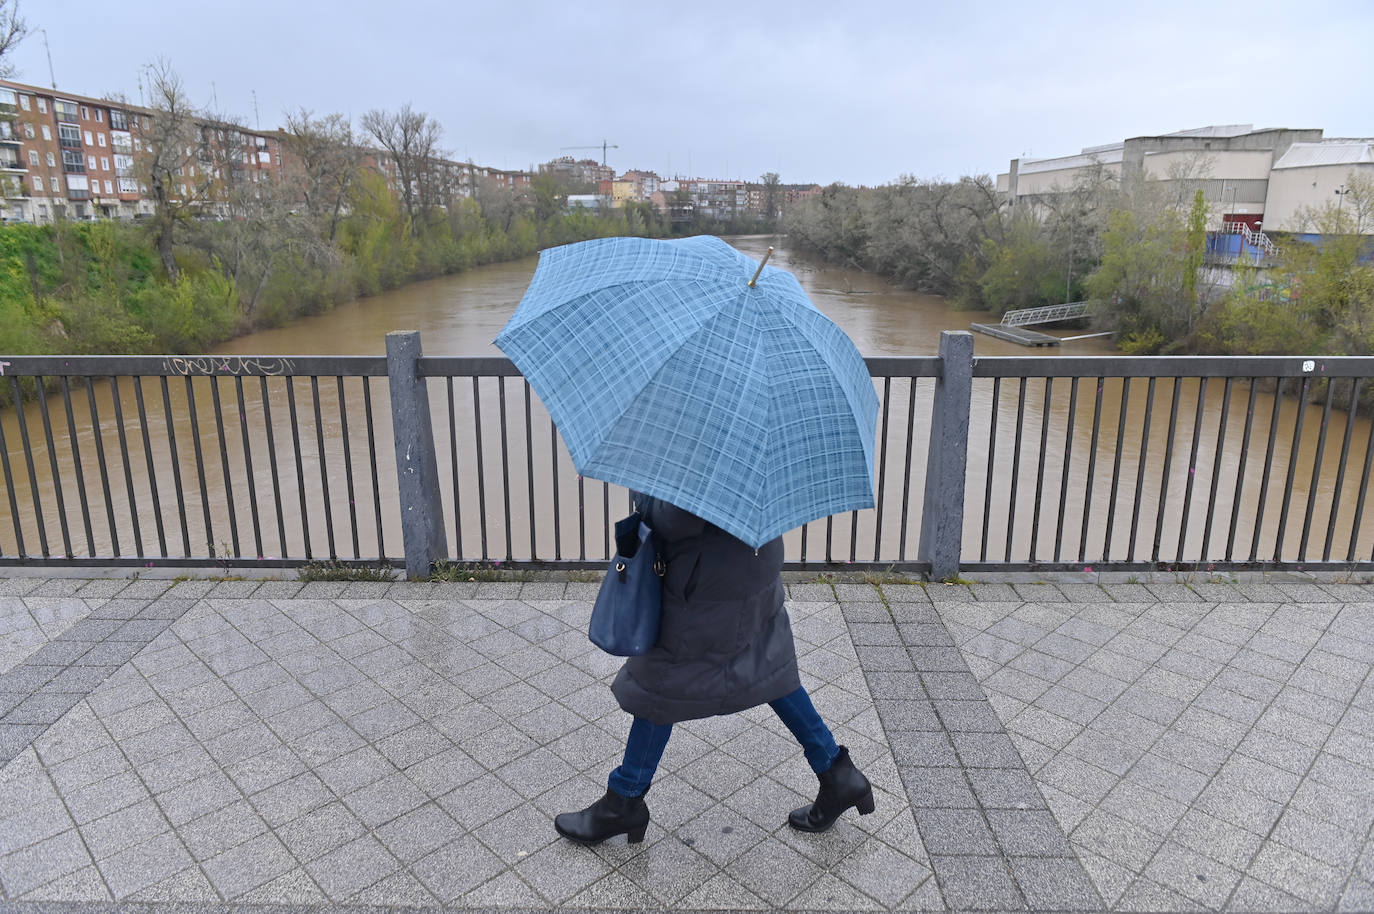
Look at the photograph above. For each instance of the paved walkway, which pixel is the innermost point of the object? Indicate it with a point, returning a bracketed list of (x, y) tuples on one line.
[(1152, 747)]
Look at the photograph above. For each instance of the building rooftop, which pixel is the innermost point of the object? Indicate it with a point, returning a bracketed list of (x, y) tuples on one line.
[(1341, 151)]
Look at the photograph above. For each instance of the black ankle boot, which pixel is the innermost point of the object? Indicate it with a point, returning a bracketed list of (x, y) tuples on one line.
[(842, 786), (609, 816)]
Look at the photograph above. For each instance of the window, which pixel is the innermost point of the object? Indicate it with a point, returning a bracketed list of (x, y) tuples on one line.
[(52, 160), (109, 187), (28, 130), (119, 120), (99, 115), (24, 102), (42, 104), (69, 135), (104, 163), (47, 134), (33, 156), (85, 113), (100, 138), (38, 183), (90, 162), (89, 140)]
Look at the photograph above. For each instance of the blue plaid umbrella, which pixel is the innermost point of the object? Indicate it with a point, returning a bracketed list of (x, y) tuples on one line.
[(667, 373)]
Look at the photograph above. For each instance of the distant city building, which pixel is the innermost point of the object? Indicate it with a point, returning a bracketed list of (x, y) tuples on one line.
[(578, 171), (1263, 178)]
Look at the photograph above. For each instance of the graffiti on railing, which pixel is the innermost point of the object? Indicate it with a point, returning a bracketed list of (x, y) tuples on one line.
[(237, 366)]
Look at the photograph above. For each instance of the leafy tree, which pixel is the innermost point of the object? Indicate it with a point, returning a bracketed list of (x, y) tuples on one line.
[(13, 30)]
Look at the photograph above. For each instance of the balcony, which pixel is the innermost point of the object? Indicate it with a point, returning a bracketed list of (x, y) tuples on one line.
[(73, 194), (67, 143), (73, 168), (14, 165)]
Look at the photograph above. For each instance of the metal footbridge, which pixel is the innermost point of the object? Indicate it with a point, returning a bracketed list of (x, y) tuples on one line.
[(1014, 323)]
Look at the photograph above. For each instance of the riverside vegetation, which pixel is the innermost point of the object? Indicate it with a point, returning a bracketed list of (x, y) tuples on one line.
[(1137, 255)]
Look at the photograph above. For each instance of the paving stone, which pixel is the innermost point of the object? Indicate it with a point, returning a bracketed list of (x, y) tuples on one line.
[(977, 884), (1054, 884)]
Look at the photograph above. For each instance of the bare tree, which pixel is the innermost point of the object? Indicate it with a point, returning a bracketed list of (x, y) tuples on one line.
[(13, 30), (411, 138), (329, 159), (173, 147)]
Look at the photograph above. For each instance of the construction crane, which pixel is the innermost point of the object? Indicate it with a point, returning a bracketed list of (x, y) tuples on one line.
[(603, 147)]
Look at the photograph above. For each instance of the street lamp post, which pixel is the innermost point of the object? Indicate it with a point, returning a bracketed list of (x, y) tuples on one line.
[(1340, 196)]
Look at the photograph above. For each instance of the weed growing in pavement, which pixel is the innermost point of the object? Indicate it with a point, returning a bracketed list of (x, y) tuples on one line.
[(337, 571)]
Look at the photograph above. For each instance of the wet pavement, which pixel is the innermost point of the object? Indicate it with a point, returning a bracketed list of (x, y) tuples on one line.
[(1174, 745)]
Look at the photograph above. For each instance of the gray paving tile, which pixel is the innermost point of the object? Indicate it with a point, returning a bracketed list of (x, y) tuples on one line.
[(977, 884), (1054, 884)]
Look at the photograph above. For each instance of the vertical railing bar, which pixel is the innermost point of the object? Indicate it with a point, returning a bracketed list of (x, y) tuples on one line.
[(853, 535), (1040, 474), (481, 473), (348, 467), (104, 470), (224, 464), (453, 467), (1192, 468), (1016, 462), (1240, 469), (300, 463), (1350, 413), (606, 515), (128, 470), (829, 532), (148, 458), (1292, 468), (1064, 474), (1140, 468), (1268, 466), (56, 473), (248, 466), (324, 468), (1364, 490), (176, 465), (200, 465), (28, 462), (1316, 470), (906, 479), (557, 508), (272, 463), (9, 484), (76, 464), (581, 518), (992, 456), (1168, 467), (372, 461), (505, 465), (529, 469), (1092, 471), (882, 470), (1216, 466), (1123, 415)]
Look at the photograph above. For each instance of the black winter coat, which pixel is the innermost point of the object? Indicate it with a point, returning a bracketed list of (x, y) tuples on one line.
[(725, 643)]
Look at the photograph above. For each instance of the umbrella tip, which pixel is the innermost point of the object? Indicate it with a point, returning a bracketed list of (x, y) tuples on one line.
[(761, 263)]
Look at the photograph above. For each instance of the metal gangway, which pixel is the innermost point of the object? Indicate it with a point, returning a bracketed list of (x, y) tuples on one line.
[(1025, 317)]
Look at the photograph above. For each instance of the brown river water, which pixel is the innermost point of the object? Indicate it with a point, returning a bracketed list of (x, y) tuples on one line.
[(527, 500)]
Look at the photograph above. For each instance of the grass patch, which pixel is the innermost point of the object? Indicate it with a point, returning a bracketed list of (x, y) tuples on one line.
[(478, 571), (335, 571)]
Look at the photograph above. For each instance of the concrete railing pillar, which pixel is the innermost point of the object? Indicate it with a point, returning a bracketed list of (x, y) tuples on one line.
[(942, 512), (417, 472)]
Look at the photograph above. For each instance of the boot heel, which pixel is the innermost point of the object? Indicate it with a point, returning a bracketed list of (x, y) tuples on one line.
[(637, 835), (865, 804)]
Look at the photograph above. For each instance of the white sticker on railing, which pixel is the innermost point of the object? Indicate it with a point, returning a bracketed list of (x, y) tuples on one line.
[(3, 366), (1309, 365)]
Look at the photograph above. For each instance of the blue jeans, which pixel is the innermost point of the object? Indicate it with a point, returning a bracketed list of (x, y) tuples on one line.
[(646, 743)]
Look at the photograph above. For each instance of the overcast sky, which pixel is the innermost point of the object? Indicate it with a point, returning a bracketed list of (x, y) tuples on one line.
[(858, 91)]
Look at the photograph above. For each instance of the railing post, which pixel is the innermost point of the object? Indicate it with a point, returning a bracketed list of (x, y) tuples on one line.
[(942, 512), (417, 472)]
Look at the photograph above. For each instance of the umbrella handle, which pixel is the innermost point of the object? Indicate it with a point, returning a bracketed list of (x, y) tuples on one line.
[(761, 263)]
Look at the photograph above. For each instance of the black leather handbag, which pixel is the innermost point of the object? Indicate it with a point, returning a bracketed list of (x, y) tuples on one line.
[(626, 616)]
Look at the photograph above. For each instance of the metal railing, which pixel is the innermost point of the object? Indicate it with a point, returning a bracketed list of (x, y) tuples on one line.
[(1065, 463), (1255, 239), (1045, 314)]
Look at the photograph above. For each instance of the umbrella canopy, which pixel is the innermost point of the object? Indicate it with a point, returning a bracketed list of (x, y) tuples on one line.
[(667, 373)]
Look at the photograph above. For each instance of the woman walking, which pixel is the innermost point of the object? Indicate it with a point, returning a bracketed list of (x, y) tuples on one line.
[(725, 645)]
